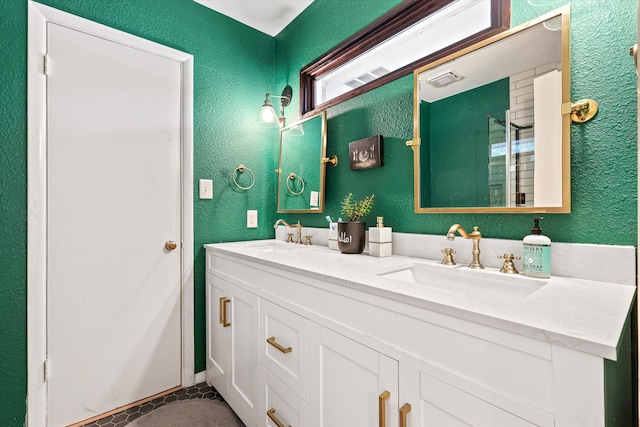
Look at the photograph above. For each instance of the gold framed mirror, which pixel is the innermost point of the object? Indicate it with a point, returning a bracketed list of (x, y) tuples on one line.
[(489, 132), (302, 166)]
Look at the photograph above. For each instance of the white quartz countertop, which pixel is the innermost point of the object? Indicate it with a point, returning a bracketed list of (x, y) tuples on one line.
[(587, 316)]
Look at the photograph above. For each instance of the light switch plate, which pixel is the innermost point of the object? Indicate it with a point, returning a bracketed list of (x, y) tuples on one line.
[(314, 199), (206, 189), (252, 219)]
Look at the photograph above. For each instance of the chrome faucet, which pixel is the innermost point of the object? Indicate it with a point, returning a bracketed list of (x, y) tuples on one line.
[(298, 226), (475, 236)]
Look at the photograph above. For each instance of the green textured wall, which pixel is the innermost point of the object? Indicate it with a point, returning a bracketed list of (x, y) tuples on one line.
[(13, 209), (603, 150), (234, 67)]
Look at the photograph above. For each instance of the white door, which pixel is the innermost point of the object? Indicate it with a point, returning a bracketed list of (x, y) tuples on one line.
[(114, 191)]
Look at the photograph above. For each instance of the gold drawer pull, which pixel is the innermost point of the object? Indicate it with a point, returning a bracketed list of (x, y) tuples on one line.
[(272, 341), (271, 413), (382, 408), (404, 410), (223, 312)]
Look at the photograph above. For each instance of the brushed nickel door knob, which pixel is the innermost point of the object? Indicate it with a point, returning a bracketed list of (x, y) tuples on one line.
[(170, 245)]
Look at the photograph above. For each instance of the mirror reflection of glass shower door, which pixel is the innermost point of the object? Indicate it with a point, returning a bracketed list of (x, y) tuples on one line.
[(511, 162), (498, 167), (522, 164)]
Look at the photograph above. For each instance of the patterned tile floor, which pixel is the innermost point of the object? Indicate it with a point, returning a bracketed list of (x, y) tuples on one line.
[(121, 419)]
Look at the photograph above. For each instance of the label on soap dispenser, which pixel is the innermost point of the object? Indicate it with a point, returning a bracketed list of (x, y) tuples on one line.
[(536, 260)]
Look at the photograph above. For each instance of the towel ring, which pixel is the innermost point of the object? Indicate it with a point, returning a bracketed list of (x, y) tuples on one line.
[(241, 169), (292, 177)]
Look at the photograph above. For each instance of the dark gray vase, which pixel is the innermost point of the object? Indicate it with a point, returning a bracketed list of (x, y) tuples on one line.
[(351, 236)]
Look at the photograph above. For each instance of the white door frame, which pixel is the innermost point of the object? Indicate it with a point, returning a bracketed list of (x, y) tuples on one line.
[(38, 17)]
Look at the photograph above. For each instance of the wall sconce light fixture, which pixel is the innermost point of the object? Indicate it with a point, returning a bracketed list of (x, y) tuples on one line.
[(268, 115)]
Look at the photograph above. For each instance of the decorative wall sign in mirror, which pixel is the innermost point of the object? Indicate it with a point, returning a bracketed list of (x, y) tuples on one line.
[(301, 165), (489, 133), (408, 36)]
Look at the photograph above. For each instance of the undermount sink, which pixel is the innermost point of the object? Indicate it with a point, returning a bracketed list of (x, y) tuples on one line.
[(466, 281), (269, 246)]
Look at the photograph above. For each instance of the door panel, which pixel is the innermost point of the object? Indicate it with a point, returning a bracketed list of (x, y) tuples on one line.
[(113, 291), (243, 378), (347, 379), (436, 403), (218, 335)]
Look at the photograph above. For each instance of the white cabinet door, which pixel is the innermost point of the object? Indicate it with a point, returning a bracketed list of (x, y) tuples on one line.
[(436, 403), (243, 370), (218, 336), (347, 380), (232, 351)]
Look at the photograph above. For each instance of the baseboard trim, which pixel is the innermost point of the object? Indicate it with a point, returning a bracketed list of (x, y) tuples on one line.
[(124, 408), (201, 377)]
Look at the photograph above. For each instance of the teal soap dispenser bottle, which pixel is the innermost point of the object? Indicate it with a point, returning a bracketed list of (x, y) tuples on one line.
[(536, 252)]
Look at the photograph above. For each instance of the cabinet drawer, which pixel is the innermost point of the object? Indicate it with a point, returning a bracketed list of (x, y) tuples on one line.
[(284, 346), (279, 402)]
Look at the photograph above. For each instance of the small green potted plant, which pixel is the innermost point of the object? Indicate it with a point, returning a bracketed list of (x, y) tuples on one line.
[(351, 234)]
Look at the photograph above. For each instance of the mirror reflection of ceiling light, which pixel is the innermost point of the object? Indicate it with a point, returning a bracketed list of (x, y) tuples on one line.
[(444, 79)]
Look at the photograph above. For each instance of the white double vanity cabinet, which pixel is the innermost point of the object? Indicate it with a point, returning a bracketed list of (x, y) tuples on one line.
[(305, 336)]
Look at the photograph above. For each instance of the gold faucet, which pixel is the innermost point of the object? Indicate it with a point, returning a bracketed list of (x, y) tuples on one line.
[(475, 236), (298, 226)]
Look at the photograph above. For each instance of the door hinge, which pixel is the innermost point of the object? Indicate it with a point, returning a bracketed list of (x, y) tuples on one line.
[(46, 65), (46, 370)]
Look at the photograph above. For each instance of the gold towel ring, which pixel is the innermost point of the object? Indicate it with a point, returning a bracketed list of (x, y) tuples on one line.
[(241, 169), (292, 177)]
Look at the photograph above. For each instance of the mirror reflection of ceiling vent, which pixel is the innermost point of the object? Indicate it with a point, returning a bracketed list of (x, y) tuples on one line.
[(444, 79), (366, 77)]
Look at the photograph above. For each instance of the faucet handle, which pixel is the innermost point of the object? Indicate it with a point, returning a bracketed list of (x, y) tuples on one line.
[(508, 266), (289, 237), (448, 256), (307, 239)]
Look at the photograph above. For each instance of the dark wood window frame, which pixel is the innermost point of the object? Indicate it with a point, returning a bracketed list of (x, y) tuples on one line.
[(397, 19)]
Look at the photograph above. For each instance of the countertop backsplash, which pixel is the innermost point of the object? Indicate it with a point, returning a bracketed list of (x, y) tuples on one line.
[(606, 263)]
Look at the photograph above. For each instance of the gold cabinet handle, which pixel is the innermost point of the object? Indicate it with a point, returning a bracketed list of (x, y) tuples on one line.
[(404, 410), (271, 413), (272, 341), (223, 312), (170, 245), (382, 408)]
